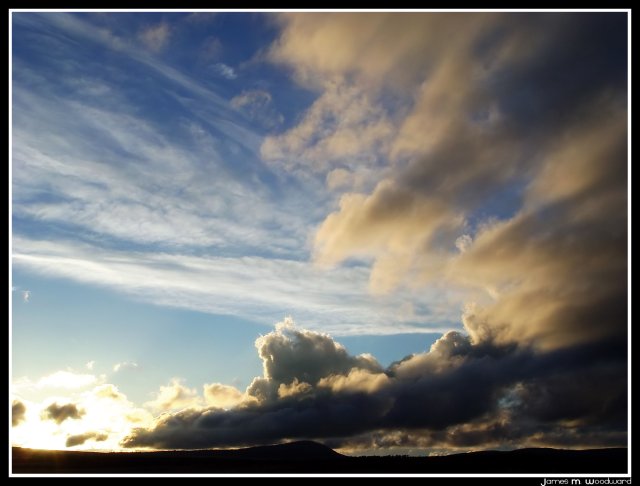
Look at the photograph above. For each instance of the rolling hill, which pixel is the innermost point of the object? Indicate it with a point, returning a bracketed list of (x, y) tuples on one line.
[(311, 457)]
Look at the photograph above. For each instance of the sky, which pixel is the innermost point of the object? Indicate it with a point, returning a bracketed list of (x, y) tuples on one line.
[(387, 232)]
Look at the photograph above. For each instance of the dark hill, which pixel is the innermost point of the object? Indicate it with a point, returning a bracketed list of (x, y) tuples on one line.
[(293, 451), (311, 457)]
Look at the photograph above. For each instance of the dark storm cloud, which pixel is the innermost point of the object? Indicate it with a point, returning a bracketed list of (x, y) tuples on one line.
[(453, 385), (319, 416), (18, 410), (485, 433), (571, 396), (74, 440), (579, 57), (60, 413)]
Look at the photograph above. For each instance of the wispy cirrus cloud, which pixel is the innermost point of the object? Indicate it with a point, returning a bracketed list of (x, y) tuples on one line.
[(210, 49), (344, 126), (225, 71), (256, 288), (258, 105), (60, 179), (155, 37), (196, 187)]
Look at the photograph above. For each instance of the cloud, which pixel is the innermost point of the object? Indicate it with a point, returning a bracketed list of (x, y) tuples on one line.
[(222, 396), (393, 224), (356, 62), (109, 391), (134, 209), (135, 228), (357, 380), (256, 288), (108, 411), (201, 17), (500, 128), (60, 413), (90, 365), (211, 48), (251, 99), (338, 178), (155, 37), (508, 129), (258, 106), (290, 353), (66, 380), (294, 388), (458, 393), (479, 435), (79, 439), (380, 47), (496, 148), (173, 396), (343, 126), (225, 71), (18, 411), (102, 414), (125, 365), (119, 124), (463, 243), (26, 296)]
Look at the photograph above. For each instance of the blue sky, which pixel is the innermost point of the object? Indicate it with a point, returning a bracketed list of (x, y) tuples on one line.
[(182, 182)]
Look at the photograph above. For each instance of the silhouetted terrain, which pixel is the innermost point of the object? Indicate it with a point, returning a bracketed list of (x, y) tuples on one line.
[(310, 457)]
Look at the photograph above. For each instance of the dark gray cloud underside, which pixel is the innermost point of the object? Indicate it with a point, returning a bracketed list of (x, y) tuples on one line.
[(535, 391), (18, 411), (60, 413)]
